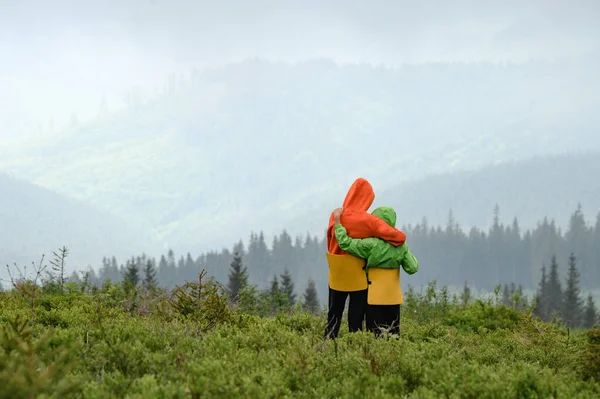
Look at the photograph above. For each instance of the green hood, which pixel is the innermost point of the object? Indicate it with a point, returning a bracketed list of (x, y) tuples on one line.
[(387, 214)]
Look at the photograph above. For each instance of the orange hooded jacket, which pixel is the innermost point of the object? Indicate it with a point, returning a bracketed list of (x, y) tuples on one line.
[(359, 223)]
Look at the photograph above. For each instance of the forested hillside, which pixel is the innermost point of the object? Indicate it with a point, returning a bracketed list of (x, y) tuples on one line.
[(448, 254), (217, 153)]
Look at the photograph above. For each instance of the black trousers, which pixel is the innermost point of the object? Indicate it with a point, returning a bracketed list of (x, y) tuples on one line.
[(383, 317), (356, 311)]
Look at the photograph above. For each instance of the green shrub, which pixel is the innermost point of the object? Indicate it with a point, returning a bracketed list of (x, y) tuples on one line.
[(191, 343), (34, 367)]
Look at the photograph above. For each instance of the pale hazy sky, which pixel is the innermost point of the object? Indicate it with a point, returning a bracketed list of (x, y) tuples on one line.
[(62, 57)]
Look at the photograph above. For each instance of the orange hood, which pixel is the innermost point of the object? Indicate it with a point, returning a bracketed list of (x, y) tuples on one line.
[(359, 223), (360, 197)]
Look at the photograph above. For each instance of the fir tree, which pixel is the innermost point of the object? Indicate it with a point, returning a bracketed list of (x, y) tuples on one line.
[(189, 263), (171, 259), (58, 266), (238, 278), (506, 298), (131, 276), (311, 300), (554, 289), (115, 275), (590, 316), (466, 294), (541, 309), (517, 297), (572, 304), (150, 275), (275, 296), (274, 290), (287, 287)]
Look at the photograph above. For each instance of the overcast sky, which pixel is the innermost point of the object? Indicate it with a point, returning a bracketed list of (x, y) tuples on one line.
[(62, 57)]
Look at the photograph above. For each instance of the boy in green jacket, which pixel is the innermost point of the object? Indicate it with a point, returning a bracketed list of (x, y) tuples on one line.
[(378, 254)]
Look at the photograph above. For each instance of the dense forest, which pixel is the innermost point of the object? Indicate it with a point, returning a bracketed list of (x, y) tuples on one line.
[(449, 255)]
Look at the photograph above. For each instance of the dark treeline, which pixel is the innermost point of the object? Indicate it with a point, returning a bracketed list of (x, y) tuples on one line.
[(554, 300), (562, 300), (300, 259), (502, 255)]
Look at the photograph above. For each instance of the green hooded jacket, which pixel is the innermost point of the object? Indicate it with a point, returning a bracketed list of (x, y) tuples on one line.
[(377, 252)]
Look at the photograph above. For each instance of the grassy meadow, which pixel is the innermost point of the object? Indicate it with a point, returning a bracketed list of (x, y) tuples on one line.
[(79, 341)]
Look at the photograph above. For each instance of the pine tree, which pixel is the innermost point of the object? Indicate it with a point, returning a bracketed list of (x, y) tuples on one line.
[(541, 309), (572, 304), (131, 275), (506, 299), (554, 289), (275, 295), (238, 278), (311, 300), (465, 296), (595, 251), (287, 287), (171, 259), (590, 317), (150, 275), (274, 290), (189, 263), (577, 239), (104, 272), (115, 275), (162, 273), (239, 248), (58, 266), (90, 277), (517, 296)]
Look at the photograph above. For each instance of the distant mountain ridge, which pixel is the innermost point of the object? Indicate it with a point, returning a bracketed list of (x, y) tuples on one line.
[(252, 145), (530, 190), (36, 221)]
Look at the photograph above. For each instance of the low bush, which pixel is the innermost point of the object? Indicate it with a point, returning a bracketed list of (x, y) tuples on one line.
[(118, 341)]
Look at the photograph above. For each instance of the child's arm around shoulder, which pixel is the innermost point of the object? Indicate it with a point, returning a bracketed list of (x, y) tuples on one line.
[(358, 247), (410, 264)]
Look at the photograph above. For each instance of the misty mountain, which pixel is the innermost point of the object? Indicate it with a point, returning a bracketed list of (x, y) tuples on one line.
[(254, 145), (530, 190), (91, 50), (36, 221)]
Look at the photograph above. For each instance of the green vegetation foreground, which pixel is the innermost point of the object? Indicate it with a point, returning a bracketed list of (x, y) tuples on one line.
[(120, 341)]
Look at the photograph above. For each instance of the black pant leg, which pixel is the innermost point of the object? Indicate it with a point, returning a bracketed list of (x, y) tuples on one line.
[(357, 310), (392, 318), (383, 317), (337, 302), (372, 318)]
